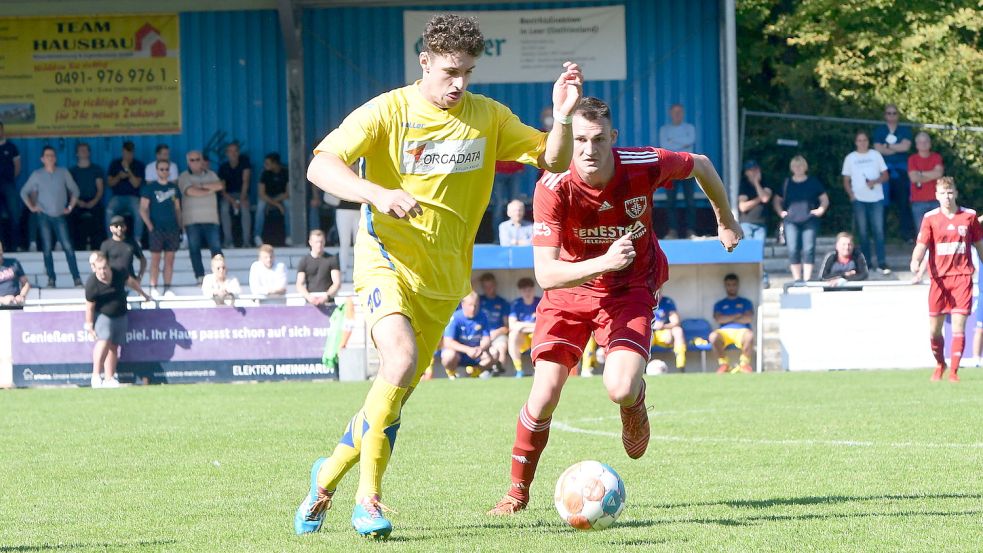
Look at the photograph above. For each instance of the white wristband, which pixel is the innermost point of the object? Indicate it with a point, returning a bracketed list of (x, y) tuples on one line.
[(562, 119)]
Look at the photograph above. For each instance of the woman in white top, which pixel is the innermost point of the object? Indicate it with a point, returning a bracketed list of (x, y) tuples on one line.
[(218, 285)]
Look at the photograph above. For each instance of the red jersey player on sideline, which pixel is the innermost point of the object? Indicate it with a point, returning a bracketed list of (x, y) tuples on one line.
[(947, 233), (602, 269)]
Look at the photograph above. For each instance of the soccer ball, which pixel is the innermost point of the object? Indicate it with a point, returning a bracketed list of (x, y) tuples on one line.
[(589, 496), (656, 367)]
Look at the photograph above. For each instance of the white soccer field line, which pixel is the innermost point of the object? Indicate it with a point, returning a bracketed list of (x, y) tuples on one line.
[(564, 427)]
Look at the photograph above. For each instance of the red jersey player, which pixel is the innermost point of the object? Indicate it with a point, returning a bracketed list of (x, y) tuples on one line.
[(602, 269), (947, 234)]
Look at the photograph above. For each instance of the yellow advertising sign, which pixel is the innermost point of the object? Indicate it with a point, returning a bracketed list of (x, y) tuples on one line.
[(90, 75)]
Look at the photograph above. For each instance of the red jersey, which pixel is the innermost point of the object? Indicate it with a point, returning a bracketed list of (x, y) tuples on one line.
[(584, 221), (925, 192), (949, 240)]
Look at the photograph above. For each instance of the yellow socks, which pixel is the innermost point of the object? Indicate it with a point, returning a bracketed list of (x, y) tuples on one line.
[(382, 407), (345, 455), (745, 360), (680, 351)]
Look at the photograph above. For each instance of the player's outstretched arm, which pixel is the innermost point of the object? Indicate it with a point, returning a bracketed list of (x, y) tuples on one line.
[(552, 274), (728, 230), (559, 143), (334, 176)]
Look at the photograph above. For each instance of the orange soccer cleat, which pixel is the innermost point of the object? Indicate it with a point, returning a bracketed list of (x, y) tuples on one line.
[(507, 506), (939, 369)]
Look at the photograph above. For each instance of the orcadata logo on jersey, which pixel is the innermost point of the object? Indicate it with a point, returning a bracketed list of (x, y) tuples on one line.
[(609, 233), (541, 229), (635, 207), (442, 156)]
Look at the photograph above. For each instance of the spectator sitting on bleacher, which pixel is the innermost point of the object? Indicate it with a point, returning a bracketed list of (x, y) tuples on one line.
[(266, 277), (14, 284), (667, 332), (160, 209), (318, 274), (219, 285), (496, 310), (105, 317), (843, 264), (121, 249), (515, 231), (734, 315), (274, 191), (466, 340), (522, 322)]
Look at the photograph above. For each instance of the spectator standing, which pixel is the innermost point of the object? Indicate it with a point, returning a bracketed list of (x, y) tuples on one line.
[(864, 173), (161, 153), (160, 209), (893, 142), (121, 250), (106, 318), (466, 340), (9, 171), (199, 209), (507, 184), (515, 231), (522, 323), (14, 284), (88, 218), (734, 315), (924, 168), (125, 178), (679, 136), (273, 192), (844, 264), (347, 216), (800, 203), (51, 192), (266, 277), (218, 285), (752, 197), (318, 275), (496, 311), (236, 172)]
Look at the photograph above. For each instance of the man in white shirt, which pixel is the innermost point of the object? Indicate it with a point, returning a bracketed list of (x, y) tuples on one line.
[(679, 136), (265, 276), (515, 231), (864, 172)]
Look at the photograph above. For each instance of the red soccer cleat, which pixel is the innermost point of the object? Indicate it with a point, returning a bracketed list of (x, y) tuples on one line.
[(635, 431), (507, 506), (746, 368), (724, 368), (953, 375), (939, 369)]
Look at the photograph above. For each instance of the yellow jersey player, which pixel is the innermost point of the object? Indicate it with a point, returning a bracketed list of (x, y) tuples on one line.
[(430, 150)]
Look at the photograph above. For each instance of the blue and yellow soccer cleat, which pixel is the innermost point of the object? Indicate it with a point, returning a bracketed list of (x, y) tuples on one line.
[(368, 519), (310, 513)]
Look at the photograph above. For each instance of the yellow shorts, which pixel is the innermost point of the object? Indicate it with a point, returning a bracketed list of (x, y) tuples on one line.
[(662, 338), (732, 336), (384, 293), (525, 343)]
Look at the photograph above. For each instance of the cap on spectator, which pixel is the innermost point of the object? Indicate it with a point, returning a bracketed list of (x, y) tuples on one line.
[(117, 220), (751, 164)]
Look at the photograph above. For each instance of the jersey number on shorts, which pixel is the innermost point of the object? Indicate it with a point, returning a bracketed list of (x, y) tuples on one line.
[(375, 300)]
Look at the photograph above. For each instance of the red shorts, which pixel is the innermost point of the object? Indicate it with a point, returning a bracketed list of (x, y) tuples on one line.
[(950, 294), (565, 321)]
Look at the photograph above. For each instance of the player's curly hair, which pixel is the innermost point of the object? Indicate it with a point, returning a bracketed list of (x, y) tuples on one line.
[(453, 34), (592, 109)]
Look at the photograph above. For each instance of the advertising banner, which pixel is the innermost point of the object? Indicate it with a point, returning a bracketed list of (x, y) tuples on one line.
[(177, 345), (530, 46), (90, 75)]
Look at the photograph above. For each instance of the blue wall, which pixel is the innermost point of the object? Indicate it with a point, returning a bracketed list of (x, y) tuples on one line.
[(232, 88), (353, 54)]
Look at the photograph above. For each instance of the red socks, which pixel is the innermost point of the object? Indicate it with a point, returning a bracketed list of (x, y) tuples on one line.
[(938, 349), (531, 436), (958, 343)]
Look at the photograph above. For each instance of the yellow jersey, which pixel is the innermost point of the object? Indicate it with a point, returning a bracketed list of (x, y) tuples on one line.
[(445, 159)]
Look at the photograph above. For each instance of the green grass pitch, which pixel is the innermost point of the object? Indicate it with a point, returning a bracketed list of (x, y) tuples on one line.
[(858, 461)]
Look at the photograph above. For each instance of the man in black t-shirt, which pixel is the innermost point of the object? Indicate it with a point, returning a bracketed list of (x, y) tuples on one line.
[(105, 317), (120, 250), (86, 220), (125, 177), (318, 275), (753, 198), (9, 194), (273, 192), (236, 173)]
